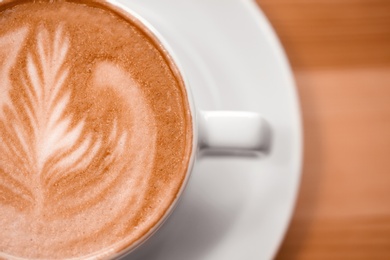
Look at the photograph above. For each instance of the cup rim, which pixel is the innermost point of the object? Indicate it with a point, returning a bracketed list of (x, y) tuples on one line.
[(122, 249), (163, 45)]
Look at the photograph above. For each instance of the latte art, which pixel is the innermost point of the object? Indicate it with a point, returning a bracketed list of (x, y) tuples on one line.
[(93, 146), (54, 142)]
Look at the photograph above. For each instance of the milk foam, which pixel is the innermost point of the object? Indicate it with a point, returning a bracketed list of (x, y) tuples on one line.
[(56, 144), (10, 45), (95, 130)]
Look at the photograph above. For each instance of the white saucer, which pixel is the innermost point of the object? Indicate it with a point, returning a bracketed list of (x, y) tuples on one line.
[(234, 208)]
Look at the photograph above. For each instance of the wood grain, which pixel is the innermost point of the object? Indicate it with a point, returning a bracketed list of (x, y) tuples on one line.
[(340, 54), (343, 208), (332, 32)]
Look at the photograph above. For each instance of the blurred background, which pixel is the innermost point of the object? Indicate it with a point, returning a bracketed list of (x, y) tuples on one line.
[(340, 54)]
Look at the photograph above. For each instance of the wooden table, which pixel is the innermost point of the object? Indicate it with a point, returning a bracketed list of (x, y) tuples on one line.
[(340, 54)]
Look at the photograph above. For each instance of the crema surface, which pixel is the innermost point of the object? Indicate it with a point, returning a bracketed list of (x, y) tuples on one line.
[(95, 130)]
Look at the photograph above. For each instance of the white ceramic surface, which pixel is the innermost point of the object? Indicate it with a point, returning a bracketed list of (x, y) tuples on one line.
[(233, 132), (233, 208)]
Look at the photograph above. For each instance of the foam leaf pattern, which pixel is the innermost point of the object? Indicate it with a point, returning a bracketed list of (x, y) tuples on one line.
[(45, 145)]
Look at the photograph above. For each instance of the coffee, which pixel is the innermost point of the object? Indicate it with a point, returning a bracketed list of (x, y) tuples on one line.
[(95, 130)]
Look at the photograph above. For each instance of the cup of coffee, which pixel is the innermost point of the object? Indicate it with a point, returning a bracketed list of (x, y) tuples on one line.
[(98, 130)]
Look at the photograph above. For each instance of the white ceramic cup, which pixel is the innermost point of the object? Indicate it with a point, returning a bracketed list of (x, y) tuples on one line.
[(225, 133)]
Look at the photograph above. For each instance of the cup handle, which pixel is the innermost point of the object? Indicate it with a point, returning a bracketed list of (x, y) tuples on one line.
[(233, 132)]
